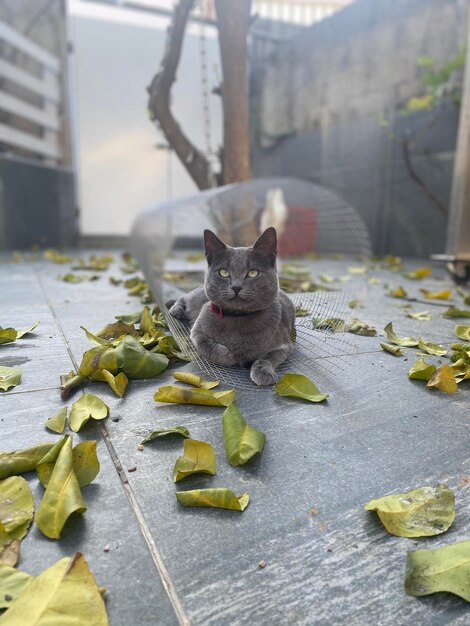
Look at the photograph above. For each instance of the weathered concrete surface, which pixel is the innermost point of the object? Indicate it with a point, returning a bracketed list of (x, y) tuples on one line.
[(317, 101), (328, 561)]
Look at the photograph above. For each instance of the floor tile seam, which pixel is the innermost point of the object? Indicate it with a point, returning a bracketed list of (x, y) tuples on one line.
[(143, 526)]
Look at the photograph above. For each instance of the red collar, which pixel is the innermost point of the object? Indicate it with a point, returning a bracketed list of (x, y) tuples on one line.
[(215, 308)]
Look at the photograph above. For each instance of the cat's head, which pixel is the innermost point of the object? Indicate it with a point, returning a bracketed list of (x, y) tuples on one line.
[(241, 279)]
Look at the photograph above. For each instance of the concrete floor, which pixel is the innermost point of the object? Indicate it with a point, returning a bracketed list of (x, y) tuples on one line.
[(327, 560)]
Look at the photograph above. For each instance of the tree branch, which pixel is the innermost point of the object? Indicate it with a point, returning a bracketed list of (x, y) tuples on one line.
[(159, 90), (421, 184)]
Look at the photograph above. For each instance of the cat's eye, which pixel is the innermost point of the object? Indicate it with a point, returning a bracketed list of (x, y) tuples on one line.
[(253, 273), (224, 273)]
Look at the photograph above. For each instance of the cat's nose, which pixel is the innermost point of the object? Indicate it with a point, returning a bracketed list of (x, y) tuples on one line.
[(236, 289)]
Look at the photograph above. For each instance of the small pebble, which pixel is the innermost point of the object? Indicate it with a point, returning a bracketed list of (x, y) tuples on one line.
[(106, 548), (115, 419), (262, 564), (132, 469), (140, 447), (8, 598)]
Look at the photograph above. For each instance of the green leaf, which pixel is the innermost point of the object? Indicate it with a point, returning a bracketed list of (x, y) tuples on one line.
[(70, 277), (87, 407), (418, 274), (85, 462), (198, 458), (444, 294), (12, 584), (147, 324), (137, 362), (65, 593), (405, 342), (462, 331), (336, 324), (461, 370), (117, 383), (443, 569), (45, 466), (62, 496), (115, 331), (422, 512), (454, 311), (172, 430), (299, 386), (16, 514), (421, 370), (100, 341), (98, 359), (443, 379), (8, 335), (20, 461), (241, 440), (184, 395), (300, 312), (195, 380), (422, 316), (220, 498), (130, 318), (56, 423), (9, 377), (392, 349), (431, 348), (357, 327)]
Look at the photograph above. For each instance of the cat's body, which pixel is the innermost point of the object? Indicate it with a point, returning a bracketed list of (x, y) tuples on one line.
[(240, 317)]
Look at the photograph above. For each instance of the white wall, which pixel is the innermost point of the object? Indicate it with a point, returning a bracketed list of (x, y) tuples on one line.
[(120, 171)]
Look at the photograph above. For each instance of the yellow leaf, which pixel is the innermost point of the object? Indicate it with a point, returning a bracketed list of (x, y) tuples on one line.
[(117, 383), (437, 295), (418, 274), (443, 378), (218, 498), (463, 332), (184, 395), (399, 292), (195, 380), (198, 458)]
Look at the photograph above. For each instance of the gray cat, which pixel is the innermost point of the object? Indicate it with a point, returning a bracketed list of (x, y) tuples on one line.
[(241, 317)]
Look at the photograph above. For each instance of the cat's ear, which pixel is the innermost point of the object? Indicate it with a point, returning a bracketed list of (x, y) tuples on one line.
[(266, 244), (213, 245)]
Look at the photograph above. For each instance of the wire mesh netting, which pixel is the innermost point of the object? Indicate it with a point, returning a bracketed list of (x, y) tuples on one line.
[(317, 226)]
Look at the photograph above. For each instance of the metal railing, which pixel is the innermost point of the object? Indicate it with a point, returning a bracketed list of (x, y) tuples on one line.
[(30, 98)]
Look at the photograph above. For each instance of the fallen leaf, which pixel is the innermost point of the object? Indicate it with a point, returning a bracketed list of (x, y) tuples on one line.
[(399, 292), (218, 498), (336, 324), (443, 379), (26, 331), (405, 342), (357, 327), (357, 269), (86, 465), (130, 318), (114, 331), (20, 461), (461, 370), (392, 349), (94, 263), (422, 512), (241, 440), (56, 423), (437, 295), (8, 335), (431, 348), (355, 304), (296, 270), (65, 593), (137, 362), (372, 280), (419, 273), (185, 395), (62, 496), (16, 515), (70, 277), (172, 430), (422, 316), (454, 311), (12, 584), (9, 377), (198, 458), (195, 380), (300, 312), (87, 407), (421, 370), (68, 382), (56, 257), (442, 569), (117, 383), (462, 331), (147, 324), (299, 386)]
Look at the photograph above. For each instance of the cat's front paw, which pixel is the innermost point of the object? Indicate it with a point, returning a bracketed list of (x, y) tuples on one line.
[(262, 373), (178, 310), (221, 355)]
